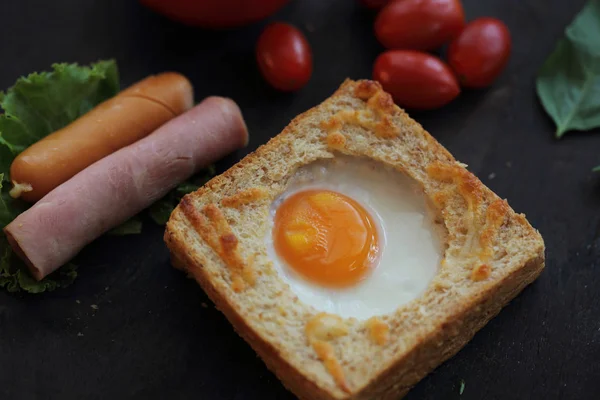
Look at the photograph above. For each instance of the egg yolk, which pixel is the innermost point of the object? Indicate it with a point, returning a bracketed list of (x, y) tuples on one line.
[(326, 237)]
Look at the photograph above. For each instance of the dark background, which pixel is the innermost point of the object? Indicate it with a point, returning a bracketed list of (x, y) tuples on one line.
[(155, 334)]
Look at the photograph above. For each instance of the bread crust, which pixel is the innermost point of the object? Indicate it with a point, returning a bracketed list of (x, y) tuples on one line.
[(216, 235)]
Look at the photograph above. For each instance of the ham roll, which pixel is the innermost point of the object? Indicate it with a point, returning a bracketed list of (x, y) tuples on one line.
[(122, 184)]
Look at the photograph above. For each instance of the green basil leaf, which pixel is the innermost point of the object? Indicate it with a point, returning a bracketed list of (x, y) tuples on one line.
[(568, 84)]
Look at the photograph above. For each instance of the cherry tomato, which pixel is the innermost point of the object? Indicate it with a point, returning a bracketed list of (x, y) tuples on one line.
[(374, 4), (284, 57), (419, 24), (215, 13), (480, 53), (416, 80)]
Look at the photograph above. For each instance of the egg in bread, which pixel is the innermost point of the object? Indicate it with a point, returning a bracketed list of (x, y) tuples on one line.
[(353, 238)]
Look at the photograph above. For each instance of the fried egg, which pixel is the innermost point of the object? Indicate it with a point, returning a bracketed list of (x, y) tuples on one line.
[(353, 237)]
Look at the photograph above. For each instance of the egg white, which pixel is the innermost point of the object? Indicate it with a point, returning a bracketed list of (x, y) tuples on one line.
[(410, 247)]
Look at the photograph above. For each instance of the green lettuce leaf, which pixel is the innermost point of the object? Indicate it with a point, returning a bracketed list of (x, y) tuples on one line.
[(14, 275), (162, 209), (9, 207), (5, 212), (42, 103), (568, 83), (132, 226), (37, 105)]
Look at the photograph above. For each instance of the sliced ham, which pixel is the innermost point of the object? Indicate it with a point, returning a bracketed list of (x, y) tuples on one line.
[(122, 184)]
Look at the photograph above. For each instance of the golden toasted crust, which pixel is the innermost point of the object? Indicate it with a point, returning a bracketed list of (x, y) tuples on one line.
[(244, 198), (319, 331), (217, 235), (481, 272), (212, 227)]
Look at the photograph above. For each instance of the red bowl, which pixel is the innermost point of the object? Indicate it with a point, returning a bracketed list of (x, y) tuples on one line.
[(215, 14)]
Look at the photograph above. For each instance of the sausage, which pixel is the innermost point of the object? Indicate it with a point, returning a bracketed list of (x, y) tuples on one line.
[(118, 122), (122, 184), (170, 89)]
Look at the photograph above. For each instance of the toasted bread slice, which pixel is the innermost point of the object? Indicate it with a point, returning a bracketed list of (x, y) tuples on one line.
[(217, 235)]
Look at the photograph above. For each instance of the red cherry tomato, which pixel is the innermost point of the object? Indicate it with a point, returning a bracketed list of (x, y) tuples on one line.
[(284, 57), (416, 80), (419, 24), (215, 13), (480, 53), (374, 4)]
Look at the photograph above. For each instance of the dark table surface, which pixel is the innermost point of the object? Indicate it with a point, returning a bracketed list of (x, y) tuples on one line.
[(155, 334)]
